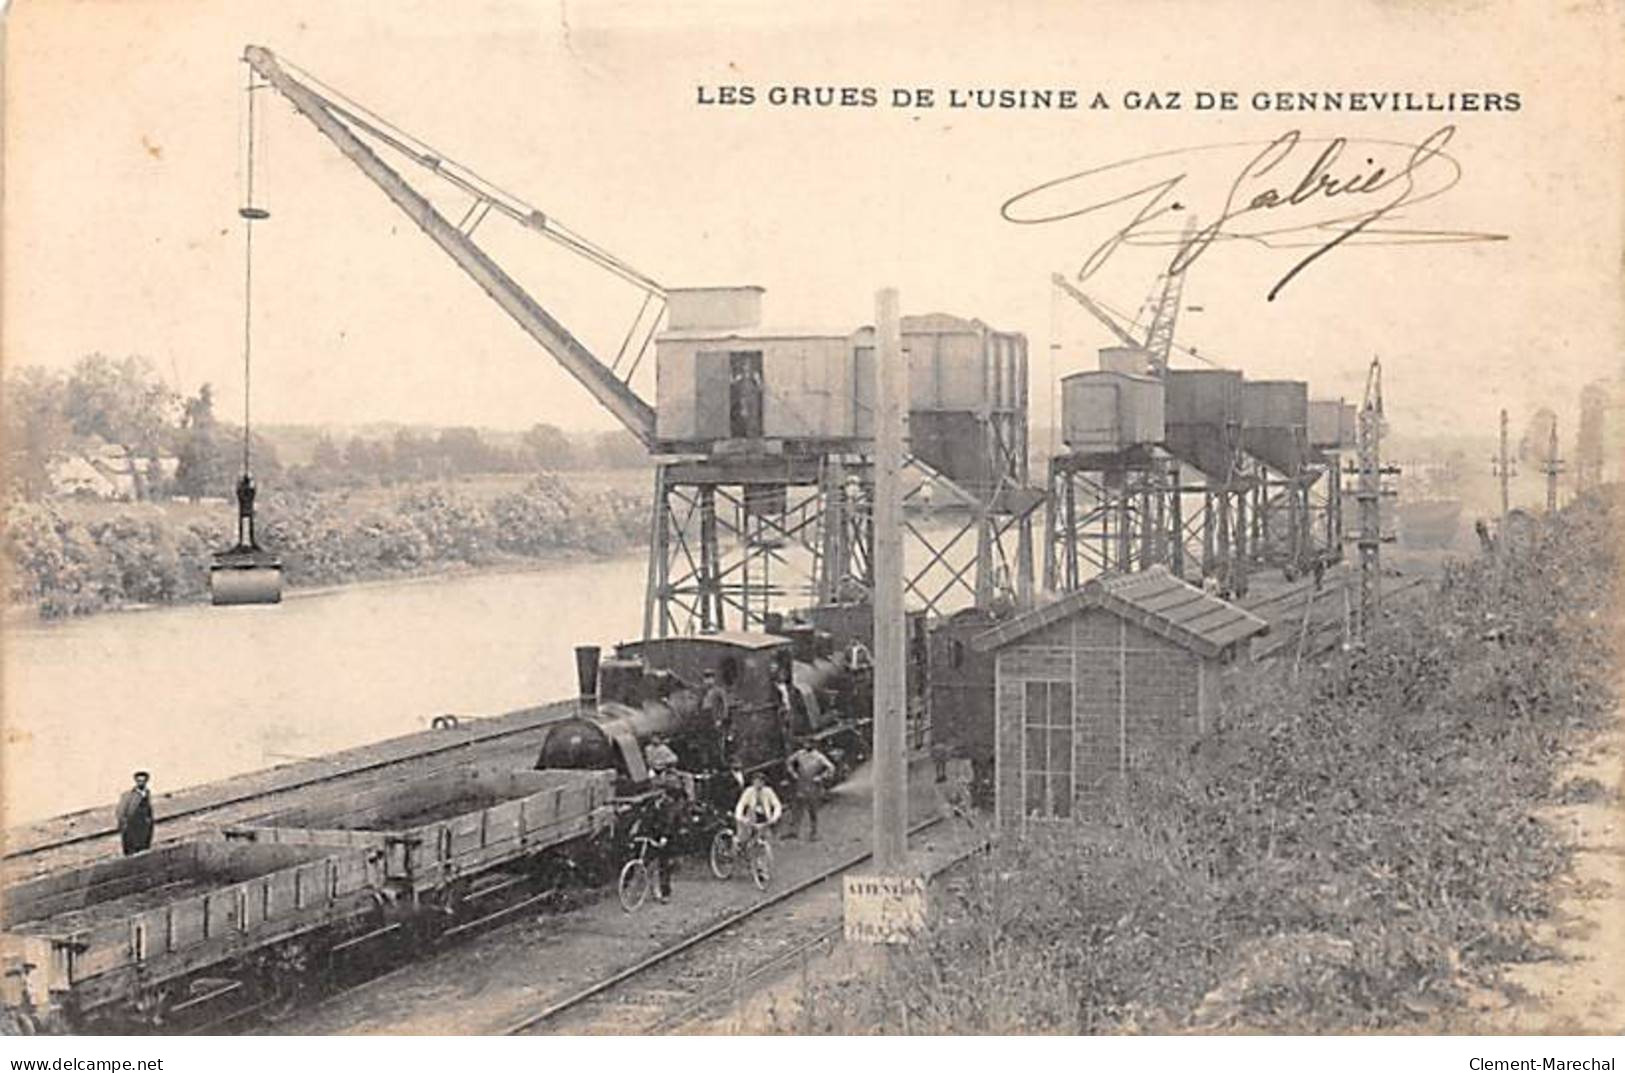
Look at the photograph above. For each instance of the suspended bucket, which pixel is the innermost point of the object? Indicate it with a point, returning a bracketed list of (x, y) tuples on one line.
[(245, 574)]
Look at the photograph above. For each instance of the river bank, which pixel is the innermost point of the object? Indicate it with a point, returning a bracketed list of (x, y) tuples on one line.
[(65, 561)]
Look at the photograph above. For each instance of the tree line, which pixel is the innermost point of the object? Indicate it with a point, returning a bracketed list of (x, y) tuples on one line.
[(50, 414), (63, 564)]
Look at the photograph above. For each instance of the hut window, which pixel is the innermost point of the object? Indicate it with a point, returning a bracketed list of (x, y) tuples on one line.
[(1049, 752)]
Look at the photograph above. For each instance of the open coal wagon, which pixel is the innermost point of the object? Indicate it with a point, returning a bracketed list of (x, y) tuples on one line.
[(453, 844), (142, 939)]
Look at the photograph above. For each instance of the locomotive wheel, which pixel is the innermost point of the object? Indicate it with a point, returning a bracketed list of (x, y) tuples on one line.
[(723, 855), (282, 977), (634, 885), (15, 1022)]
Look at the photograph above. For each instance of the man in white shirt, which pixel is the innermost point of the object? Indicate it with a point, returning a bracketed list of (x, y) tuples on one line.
[(758, 809)]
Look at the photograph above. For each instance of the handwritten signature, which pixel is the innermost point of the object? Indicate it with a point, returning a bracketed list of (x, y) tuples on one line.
[(1278, 199)]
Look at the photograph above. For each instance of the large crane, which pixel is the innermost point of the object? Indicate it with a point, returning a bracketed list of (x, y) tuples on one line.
[(716, 529), (338, 120)]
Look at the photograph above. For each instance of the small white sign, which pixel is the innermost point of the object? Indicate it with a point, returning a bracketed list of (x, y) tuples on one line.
[(884, 909)]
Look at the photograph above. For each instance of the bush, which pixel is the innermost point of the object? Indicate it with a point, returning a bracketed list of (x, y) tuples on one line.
[(141, 555), (1357, 851)]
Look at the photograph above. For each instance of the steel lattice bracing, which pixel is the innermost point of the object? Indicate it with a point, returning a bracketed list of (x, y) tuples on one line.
[(734, 540), (1109, 515)]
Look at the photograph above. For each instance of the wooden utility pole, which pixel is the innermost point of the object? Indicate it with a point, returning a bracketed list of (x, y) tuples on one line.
[(1553, 467), (1504, 470), (891, 644)]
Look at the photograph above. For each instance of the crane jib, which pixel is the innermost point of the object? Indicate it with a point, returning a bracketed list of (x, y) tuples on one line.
[(616, 396)]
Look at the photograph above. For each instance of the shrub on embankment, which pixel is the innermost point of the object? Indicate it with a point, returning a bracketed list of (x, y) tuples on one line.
[(61, 564), (1357, 852)]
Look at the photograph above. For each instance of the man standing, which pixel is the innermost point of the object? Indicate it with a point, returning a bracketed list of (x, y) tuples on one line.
[(134, 816), (714, 706), (808, 770)]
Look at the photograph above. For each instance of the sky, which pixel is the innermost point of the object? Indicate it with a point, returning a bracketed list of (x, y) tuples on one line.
[(124, 138)]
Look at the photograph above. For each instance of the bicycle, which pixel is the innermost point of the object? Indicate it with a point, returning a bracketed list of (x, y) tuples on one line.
[(637, 875), (725, 852)]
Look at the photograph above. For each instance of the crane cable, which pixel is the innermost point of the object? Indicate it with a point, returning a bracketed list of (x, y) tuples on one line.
[(248, 272), (249, 213)]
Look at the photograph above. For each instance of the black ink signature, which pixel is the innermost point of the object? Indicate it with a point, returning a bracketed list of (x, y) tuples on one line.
[(1266, 203)]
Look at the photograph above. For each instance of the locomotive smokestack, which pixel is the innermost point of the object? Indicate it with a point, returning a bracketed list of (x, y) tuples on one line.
[(587, 673)]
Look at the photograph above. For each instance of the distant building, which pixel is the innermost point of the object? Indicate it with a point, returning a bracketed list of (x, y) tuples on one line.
[(107, 471), (1085, 685), (74, 475)]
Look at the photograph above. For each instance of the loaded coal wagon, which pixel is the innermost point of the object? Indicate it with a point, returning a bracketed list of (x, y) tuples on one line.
[(141, 939), (454, 841)]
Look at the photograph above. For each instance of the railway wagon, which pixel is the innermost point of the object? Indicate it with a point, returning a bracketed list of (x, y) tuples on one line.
[(456, 837), (142, 938), (960, 696)]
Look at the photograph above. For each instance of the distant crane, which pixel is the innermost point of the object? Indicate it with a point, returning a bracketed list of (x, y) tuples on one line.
[(1159, 313)]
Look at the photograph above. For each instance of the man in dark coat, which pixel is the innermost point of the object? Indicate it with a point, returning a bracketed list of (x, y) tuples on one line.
[(809, 769), (660, 821), (134, 816), (714, 705)]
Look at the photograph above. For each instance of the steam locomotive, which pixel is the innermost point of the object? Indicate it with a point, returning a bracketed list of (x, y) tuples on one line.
[(805, 678)]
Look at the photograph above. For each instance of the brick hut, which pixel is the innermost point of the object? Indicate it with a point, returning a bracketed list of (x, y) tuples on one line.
[(1083, 685)]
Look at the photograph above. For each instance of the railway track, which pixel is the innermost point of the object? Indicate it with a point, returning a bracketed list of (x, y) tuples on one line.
[(582, 1009), (1325, 618)]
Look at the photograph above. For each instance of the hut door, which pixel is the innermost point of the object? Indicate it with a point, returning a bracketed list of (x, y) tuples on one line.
[(711, 395), (745, 394)]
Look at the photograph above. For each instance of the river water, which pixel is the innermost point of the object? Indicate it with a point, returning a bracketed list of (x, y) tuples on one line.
[(197, 693)]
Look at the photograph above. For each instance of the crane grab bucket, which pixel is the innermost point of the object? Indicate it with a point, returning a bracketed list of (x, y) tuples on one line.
[(254, 577), (245, 574)]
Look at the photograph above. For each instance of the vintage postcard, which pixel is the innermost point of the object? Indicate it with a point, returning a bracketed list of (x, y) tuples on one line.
[(557, 517)]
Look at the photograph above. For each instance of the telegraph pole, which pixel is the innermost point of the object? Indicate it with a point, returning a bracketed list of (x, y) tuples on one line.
[(891, 651), (1503, 469), (1552, 468), (1368, 494)]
